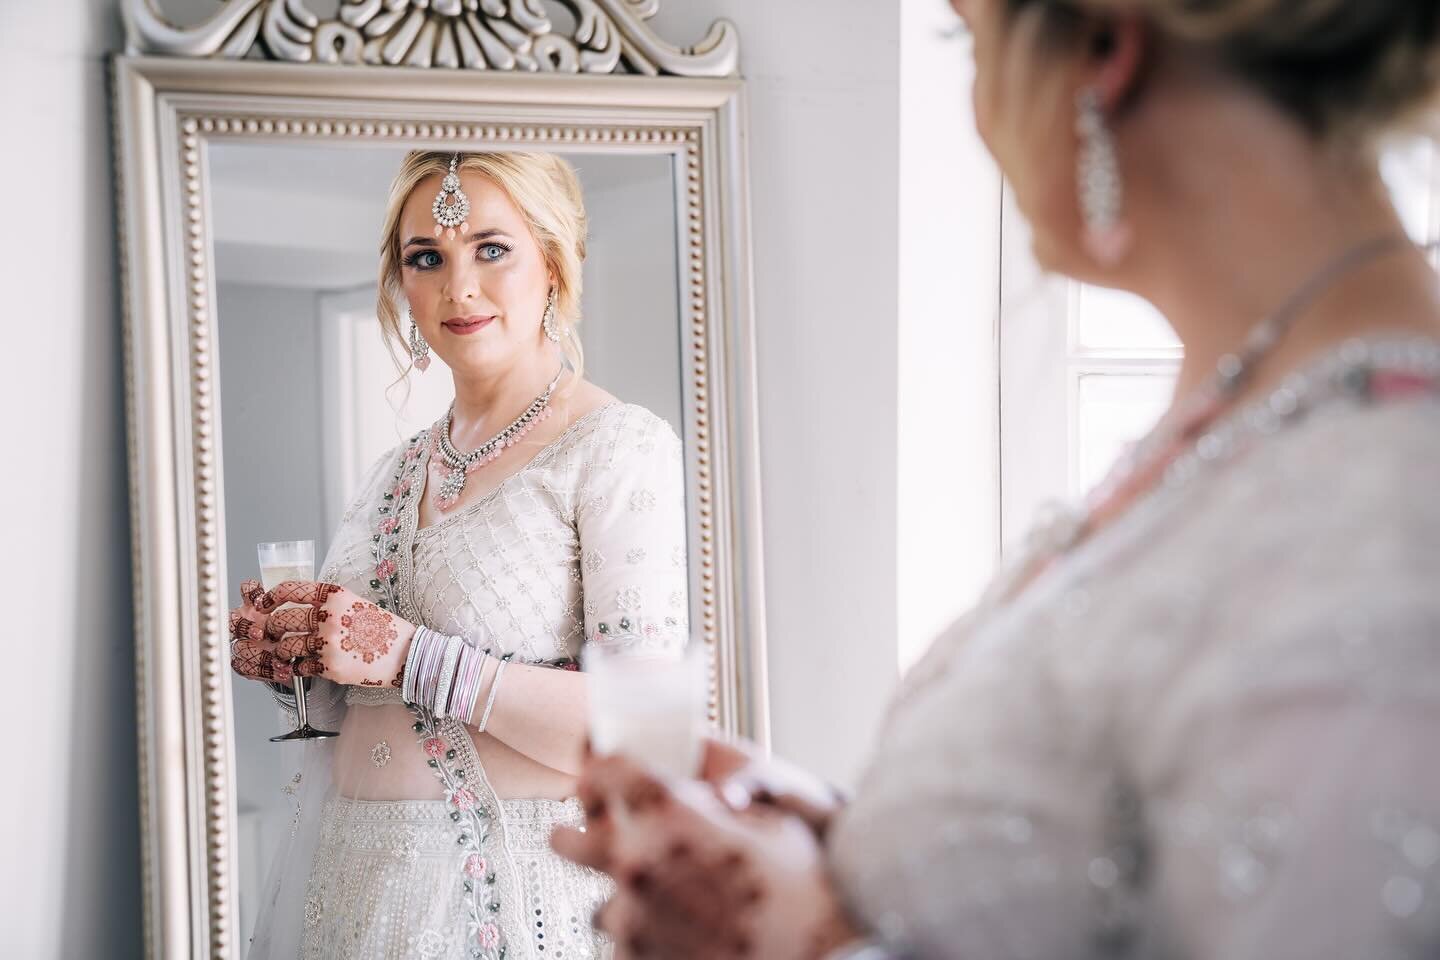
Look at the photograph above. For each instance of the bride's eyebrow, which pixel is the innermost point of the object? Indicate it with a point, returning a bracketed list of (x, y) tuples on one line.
[(473, 238)]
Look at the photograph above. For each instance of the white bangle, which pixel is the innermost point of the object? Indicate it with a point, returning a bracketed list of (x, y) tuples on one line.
[(447, 676), (469, 716), (494, 689)]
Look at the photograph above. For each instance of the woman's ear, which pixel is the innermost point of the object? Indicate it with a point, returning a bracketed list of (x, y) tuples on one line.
[(1119, 46)]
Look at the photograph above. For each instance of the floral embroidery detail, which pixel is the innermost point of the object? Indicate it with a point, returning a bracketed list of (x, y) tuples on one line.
[(314, 910), (591, 608), (476, 867), (380, 754), (481, 899), (487, 936), (409, 850), (677, 599), (635, 556), (598, 504), (629, 598), (594, 561), (430, 944), (642, 500)]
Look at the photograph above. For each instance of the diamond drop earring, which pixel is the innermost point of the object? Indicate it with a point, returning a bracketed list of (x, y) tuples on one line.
[(548, 321), (419, 347), (1098, 182)]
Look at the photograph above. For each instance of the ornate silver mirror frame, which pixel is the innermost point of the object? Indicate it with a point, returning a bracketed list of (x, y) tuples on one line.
[(413, 80)]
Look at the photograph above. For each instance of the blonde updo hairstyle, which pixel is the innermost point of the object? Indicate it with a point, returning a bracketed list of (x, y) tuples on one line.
[(1342, 68), (547, 193)]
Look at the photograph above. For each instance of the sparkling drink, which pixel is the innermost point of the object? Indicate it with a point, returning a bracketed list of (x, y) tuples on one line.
[(272, 575)]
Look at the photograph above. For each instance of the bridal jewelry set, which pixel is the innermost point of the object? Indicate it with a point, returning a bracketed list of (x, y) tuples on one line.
[(450, 209)]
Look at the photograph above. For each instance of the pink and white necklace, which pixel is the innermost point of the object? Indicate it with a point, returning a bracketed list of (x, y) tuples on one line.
[(461, 465)]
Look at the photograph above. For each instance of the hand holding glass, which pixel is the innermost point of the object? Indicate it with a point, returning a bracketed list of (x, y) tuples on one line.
[(281, 561)]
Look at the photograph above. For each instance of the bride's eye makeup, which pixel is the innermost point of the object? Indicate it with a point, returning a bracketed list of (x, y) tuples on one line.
[(422, 260), (492, 252)]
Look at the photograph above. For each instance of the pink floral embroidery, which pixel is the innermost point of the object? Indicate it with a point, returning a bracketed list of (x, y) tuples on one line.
[(488, 936), (389, 524), (476, 867), (402, 488), (385, 569), (463, 799), (434, 747)]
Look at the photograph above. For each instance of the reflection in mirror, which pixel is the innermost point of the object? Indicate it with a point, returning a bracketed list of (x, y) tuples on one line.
[(311, 400)]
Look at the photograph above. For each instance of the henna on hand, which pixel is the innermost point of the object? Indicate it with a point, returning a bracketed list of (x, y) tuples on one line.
[(292, 620), (299, 591), (250, 659), (298, 645), (367, 631)]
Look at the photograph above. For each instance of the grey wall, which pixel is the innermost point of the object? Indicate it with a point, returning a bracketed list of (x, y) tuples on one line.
[(70, 881), (629, 330), (269, 414)]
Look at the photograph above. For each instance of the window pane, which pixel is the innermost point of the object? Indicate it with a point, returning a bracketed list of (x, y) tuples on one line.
[(1112, 320), (1112, 410)]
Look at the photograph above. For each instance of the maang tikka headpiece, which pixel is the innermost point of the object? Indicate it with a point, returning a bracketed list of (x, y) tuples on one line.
[(451, 206)]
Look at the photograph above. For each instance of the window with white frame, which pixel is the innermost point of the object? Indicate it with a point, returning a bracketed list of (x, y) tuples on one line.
[(1084, 370)]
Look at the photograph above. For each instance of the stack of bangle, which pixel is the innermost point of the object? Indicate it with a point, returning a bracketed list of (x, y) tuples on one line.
[(445, 675)]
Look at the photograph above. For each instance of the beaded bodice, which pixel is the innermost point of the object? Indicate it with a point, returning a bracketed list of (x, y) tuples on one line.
[(585, 542)]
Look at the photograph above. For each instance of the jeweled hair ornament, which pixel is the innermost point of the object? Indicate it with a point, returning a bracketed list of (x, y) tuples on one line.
[(451, 206)]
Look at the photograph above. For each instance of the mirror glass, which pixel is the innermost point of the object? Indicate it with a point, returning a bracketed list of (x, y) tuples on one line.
[(309, 392)]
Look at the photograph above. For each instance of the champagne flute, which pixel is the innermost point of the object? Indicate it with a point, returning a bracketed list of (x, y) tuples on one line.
[(648, 707), (281, 561)]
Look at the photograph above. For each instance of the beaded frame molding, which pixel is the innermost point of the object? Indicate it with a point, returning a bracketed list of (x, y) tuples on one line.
[(168, 111)]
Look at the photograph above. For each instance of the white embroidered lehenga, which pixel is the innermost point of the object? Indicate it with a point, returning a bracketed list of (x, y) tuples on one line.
[(1210, 733), (401, 847)]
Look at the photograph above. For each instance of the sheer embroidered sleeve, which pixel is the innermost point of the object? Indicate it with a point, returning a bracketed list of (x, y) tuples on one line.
[(630, 514)]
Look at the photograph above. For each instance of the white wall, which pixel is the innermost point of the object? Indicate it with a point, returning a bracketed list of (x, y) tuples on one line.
[(70, 880), (948, 419), (823, 87)]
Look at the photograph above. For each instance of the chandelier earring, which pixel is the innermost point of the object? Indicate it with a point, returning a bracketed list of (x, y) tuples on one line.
[(419, 346), (1098, 182), (552, 333)]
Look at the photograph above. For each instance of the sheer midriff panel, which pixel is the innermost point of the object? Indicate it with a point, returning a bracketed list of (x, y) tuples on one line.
[(405, 774)]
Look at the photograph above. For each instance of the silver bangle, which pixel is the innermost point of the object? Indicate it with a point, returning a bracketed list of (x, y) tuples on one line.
[(447, 676), (477, 686), (494, 689), (407, 683)]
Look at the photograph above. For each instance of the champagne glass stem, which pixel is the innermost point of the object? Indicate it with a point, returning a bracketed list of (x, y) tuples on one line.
[(298, 683)]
